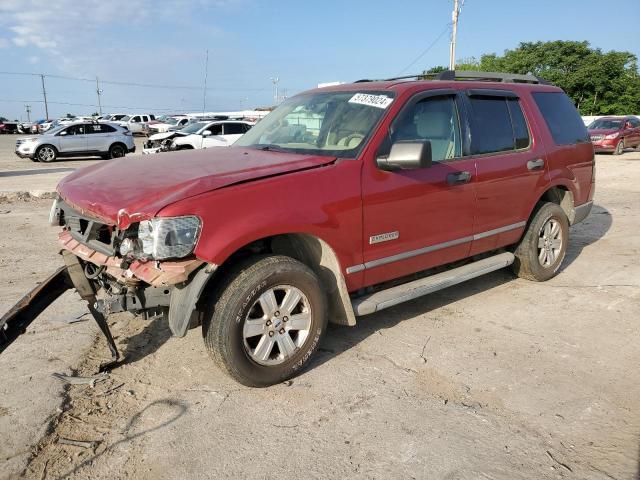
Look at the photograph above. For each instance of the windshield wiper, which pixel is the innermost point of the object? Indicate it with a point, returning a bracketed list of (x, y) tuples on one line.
[(265, 147)]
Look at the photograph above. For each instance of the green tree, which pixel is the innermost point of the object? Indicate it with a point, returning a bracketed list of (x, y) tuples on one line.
[(3, 119), (600, 83)]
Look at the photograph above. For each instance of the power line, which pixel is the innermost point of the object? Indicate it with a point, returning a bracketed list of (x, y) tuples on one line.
[(129, 107), (142, 85), (424, 52)]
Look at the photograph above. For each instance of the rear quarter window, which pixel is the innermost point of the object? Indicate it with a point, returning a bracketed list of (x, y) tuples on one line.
[(562, 118)]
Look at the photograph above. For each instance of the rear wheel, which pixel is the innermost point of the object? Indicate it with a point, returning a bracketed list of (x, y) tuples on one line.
[(544, 245), (619, 148), (46, 153), (117, 151), (266, 321)]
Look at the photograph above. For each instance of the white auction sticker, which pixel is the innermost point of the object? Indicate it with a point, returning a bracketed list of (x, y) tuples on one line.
[(379, 101)]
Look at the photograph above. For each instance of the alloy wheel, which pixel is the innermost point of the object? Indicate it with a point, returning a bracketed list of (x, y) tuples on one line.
[(46, 154), (549, 243), (277, 325)]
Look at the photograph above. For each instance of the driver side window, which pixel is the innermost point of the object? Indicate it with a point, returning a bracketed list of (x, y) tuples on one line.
[(434, 119)]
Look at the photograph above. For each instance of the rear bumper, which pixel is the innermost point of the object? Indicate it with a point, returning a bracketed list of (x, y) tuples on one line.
[(581, 212)]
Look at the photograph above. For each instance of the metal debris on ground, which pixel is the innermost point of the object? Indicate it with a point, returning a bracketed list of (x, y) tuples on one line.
[(75, 380)]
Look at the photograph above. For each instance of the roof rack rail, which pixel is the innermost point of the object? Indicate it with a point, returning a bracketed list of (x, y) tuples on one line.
[(487, 76), (470, 75)]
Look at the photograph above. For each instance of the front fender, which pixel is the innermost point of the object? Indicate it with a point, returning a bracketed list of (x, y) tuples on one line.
[(184, 298)]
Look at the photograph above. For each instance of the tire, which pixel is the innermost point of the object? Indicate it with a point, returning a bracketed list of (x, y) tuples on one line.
[(46, 153), (117, 150), (619, 147), (536, 257), (253, 300)]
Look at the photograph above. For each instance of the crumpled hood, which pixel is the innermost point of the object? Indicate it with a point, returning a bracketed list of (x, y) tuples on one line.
[(138, 187)]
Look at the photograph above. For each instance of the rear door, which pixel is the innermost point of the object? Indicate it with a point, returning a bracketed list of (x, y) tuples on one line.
[(99, 137), (417, 219), (511, 166), (634, 136), (75, 139)]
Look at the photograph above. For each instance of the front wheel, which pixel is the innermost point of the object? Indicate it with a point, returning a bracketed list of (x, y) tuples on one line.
[(46, 154), (619, 148), (266, 321), (544, 245)]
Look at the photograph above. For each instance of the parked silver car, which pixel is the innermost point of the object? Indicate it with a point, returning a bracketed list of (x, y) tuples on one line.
[(77, 140)]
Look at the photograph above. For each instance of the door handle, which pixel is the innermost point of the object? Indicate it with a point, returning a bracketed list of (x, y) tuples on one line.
[(535, 164), (458, 178)]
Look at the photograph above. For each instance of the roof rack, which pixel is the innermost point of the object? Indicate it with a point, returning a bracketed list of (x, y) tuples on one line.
[(472, 75)]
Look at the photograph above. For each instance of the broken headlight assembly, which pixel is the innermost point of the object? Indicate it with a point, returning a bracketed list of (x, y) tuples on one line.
[(163, 238)]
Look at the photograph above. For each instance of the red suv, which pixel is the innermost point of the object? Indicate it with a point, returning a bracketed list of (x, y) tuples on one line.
[(342, 202), (614, 134)]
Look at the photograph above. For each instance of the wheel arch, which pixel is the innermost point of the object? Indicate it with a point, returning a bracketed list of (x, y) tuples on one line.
[(118, 142), (314, 252), (561, 195)]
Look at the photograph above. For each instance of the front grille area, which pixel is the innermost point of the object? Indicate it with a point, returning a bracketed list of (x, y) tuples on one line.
[(88, 231)]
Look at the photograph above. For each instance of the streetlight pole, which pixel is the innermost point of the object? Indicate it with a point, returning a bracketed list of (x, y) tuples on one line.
[(28, 107), (99, 92), (454, 33), (275, 81), (44, 94)]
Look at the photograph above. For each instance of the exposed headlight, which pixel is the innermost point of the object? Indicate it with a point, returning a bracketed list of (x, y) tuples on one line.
[(611, 136), (173, 237)]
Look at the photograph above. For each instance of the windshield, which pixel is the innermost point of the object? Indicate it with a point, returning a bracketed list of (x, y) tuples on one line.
[(171, 121), (606, 124), (55, 129), (126, 118), (331, 123), (193, 127)]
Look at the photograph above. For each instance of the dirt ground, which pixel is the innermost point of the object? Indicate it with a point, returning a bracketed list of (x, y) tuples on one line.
[(497, 378)]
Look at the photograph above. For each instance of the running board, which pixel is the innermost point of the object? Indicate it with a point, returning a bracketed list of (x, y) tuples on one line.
[(408, 291)]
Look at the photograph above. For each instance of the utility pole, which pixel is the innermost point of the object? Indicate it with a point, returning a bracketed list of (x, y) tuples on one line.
[(206, 73), (44, 94), (454, 33), (275, 81), (99, 92), (28, 107)]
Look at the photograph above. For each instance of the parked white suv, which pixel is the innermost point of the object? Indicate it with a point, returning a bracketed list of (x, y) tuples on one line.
[(219, 133), (135, 122), (81, 139)]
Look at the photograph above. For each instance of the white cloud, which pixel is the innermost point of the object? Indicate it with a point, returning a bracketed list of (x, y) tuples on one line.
[(4, 42), (33, 59)]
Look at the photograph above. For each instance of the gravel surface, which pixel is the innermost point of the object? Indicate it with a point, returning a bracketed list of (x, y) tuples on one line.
[(497, 378)]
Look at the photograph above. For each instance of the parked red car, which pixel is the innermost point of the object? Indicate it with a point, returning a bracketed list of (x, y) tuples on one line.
[(342, 202), (614, 134)]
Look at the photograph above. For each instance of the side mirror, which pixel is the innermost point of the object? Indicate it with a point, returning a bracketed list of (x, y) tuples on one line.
[(206, 133), (406, 155)]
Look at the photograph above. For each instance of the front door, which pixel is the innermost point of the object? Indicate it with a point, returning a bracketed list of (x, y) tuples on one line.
[(418, 219), (75, 139)]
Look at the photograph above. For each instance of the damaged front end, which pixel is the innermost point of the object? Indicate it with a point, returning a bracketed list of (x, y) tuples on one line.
[(164, 143), (144, 267)]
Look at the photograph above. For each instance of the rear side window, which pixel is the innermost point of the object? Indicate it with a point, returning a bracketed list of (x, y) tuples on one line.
[(520, 129), (634, 122), (492, 129), (233, 129), (561, 117)]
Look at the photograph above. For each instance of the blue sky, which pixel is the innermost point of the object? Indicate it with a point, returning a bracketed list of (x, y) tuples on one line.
[(163, 42)]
